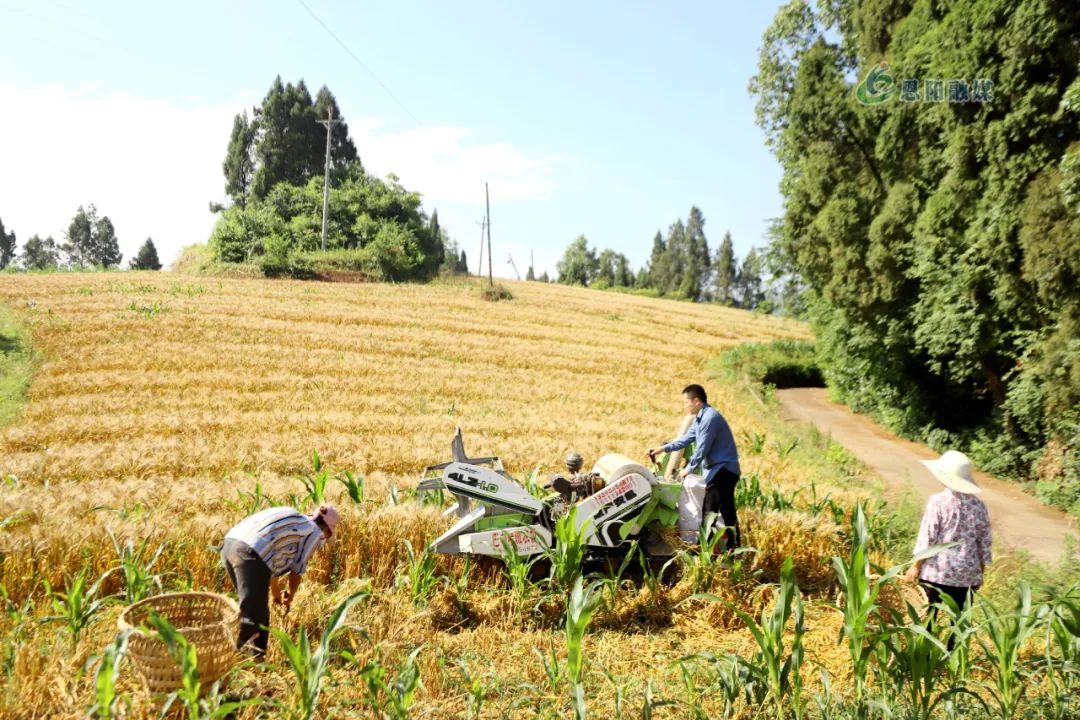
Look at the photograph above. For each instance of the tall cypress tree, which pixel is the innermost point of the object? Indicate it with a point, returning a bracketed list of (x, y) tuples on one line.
[(239, 164), (147, 257), (726, 272)]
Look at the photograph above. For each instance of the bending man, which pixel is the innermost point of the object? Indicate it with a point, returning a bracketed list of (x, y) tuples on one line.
[(263, 547), (715, 453)]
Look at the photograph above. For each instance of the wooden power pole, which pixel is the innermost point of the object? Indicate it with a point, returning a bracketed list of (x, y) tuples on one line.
[(329, 122), (487, 202)]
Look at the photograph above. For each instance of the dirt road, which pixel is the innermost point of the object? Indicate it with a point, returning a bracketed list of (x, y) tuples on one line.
[(1019, 520)]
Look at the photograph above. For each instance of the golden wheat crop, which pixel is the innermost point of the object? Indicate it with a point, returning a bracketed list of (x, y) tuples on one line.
[(159, 398)]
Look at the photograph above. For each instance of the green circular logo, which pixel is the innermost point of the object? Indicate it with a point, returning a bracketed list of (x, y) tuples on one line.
[(877, 87)]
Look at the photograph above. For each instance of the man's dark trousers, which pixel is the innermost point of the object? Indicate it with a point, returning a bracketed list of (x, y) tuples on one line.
[(251, 578), (720, 498)]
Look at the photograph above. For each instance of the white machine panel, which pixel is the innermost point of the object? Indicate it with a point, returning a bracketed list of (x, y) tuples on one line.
[(528, 540)]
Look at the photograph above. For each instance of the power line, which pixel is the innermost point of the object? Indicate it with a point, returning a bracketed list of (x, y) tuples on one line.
[(358, 60)]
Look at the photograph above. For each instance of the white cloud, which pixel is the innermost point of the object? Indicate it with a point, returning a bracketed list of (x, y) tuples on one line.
[(153, 166)]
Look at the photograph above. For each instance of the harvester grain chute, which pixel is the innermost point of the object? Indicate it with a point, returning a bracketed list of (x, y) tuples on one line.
[(616, 503)]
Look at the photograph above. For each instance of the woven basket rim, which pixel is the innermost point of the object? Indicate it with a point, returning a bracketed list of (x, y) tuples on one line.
[(233, 609)]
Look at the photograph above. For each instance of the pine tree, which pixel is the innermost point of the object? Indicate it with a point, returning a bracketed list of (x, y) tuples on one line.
[(239, 164), (657, 274), (7, 246), (694, 282), (106, 248), (530, 275), (726, 271), (147, 258), (463, 263), (676, 258), (750, 290)]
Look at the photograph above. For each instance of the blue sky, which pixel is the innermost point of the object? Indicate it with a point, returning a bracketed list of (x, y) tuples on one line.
[(603, 119)]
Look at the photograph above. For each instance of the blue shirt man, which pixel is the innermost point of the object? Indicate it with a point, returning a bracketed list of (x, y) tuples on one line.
[(714, 447), (715, 453)]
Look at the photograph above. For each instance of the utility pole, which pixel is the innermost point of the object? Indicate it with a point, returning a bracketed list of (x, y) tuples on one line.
[(487, 202), (480, 264), (329, 122), (510, 261)]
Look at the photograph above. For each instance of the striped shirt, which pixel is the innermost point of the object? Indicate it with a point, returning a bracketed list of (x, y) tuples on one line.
[(282, 537)]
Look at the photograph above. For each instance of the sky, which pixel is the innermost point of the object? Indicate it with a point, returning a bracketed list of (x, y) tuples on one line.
[(604, 119)]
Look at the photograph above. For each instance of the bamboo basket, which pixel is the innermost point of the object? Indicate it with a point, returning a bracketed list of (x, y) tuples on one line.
[(208, 621)]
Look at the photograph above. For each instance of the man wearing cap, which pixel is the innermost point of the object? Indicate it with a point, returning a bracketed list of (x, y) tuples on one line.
[(264, 547), (953, 515)]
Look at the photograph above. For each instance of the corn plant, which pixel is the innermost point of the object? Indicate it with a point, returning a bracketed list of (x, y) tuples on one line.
[(308, 666), (732, 678), (77, 606), (105, 696), (389, 697), (136, 566), (579, 611), (1003, 636), (704, 563), (860, 607), (420, 575), (354, 485), (620, 693), (778, 668), (316, 482), (475, 688), (553, 670), (914, 662), (19, 617), (249, 503), (569, 550), (518, 570), (1063, 635)]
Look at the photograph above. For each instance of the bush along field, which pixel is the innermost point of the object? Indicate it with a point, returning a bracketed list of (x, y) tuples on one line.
[(164, 409)]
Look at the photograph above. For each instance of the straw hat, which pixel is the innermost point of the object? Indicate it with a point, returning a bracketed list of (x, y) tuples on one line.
[(953, 469)]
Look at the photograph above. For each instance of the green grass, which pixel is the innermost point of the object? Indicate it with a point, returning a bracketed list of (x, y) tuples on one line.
[(16, 366)]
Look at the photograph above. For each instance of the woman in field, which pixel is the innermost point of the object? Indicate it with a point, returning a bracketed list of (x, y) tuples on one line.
[(262, 548), (953, 515)]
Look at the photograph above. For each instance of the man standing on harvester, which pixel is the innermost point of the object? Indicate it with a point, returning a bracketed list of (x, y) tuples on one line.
[(715, 453)]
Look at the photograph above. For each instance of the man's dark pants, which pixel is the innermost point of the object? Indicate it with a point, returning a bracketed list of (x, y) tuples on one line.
[(720, 498), (251, 578)]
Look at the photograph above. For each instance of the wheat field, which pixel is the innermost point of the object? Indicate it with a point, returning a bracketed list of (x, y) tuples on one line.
[(161, 402)]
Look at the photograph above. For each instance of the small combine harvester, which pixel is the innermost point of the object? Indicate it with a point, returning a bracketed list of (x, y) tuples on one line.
[(617, 502)]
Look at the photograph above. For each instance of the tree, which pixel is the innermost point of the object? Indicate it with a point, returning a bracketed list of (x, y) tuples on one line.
[(544, 277), (530, 275), (147, 257), (239, 165), (91, 240), (726, 271), (38, 254), (657, 275), (7, 246), (463, 263), (605, 264), (675, 258), (624, 274), (749, 282), (938, 253), (579, 264), (694, 281)]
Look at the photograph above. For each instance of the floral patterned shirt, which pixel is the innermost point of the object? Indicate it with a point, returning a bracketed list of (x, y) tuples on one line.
[(961, 518)]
